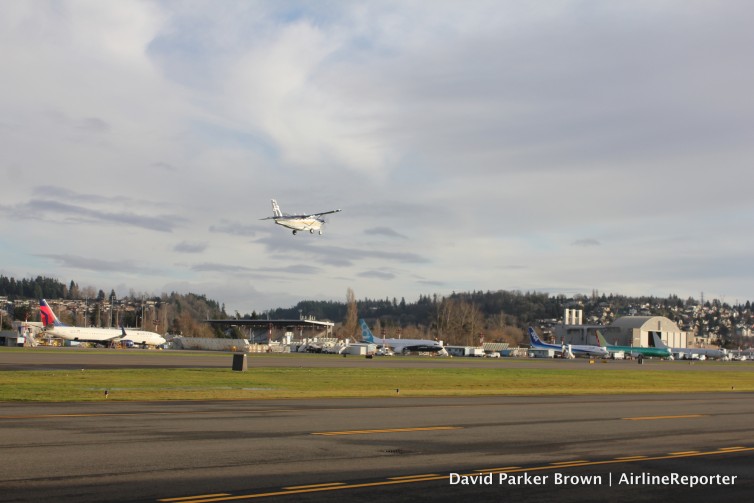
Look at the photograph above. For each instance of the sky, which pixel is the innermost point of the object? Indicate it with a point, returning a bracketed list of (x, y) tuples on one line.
[(550, 146)]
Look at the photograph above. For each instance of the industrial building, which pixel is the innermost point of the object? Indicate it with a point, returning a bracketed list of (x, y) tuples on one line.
[(624, 331)]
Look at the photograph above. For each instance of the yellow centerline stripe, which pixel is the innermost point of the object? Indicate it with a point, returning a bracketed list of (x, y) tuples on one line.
[(388, 430), (651, 418), (442, 477), (312, 486), (493, 470), (629, 458), (683, 453), (405, 477), (575, 461), (191, 498)]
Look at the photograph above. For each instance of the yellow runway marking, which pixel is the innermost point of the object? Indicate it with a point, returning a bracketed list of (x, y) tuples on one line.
[(629, 458), (575, 461), (652, 418), (389, 430), (492, 470), (429, 478), (407, 477), (191, 498), (313, 486)]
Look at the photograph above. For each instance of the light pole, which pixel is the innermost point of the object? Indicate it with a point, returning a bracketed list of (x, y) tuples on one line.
[(112, 301)]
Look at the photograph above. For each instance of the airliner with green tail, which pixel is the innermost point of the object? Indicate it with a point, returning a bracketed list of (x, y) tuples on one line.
[(634, 350)]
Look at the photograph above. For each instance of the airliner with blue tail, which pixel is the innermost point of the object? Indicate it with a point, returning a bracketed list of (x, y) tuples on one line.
[(402, 345), (567, 350)]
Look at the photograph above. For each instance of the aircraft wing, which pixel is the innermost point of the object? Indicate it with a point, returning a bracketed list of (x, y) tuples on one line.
[(296, 217), (322, 213)]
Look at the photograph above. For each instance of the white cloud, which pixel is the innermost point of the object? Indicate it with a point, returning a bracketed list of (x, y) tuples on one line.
[(488, 145)]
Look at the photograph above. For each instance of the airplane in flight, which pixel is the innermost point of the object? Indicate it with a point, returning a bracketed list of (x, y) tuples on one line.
[(401, 345), (686, 353), (309, 222), (635, 350), (567, 350), (53, 326)]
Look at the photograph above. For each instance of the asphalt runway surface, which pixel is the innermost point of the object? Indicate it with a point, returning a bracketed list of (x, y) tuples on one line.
[(391, 449), (76, 358)]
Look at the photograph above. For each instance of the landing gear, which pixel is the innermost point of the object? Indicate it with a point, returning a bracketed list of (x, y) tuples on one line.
[(311, 231), (294, 232)]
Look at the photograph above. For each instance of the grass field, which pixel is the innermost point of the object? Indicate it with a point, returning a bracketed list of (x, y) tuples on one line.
[(303, 382)]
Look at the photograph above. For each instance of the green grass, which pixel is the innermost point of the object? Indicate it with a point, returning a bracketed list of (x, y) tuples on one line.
[(303, 382)]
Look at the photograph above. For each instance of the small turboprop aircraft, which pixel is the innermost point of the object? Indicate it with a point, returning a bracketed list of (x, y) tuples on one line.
[(310, 222)]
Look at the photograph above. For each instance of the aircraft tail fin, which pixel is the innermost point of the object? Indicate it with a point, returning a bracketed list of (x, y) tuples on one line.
[(48, 317), (533, 337), (276, 209), (366, 334), (658, 341), (601, 338)]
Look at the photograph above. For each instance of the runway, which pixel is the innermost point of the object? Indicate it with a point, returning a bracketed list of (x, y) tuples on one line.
[(395, 449), (76, 358)]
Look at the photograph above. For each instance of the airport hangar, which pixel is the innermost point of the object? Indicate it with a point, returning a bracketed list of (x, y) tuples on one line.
[(319, 328), (624, 331)]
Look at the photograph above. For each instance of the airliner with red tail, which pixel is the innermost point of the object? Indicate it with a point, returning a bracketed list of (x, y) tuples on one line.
[(55, 327)]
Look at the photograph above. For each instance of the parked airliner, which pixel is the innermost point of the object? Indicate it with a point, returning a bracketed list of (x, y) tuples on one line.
[(687, 353), (53, 326), (402, 345), (634, 351), (567, 350)]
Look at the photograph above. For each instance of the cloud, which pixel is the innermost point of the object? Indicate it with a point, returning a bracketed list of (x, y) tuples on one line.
[(97, 264), (234, 229), (385, 231), (65, 212), (93, 125), (386, 275), (224, 268), (189, 247), (586, 242), (468, 145)]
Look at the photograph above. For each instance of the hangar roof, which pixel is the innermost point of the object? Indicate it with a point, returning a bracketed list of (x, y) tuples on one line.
[(646, 323)]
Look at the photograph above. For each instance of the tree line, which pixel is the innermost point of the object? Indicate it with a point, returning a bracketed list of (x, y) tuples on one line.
[(458, 318)]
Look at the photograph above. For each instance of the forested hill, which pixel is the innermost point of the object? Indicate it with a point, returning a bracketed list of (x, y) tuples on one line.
[(459, 317), (168, 313)]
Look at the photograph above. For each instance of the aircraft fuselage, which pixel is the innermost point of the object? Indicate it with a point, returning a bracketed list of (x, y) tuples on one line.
[(300, 224)]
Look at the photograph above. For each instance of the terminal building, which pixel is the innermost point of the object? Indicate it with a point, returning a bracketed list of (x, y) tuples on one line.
[(624, 331)]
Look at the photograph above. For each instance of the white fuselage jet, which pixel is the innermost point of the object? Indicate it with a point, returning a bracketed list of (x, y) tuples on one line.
[(91, 334), (402, 346), (568, 350)]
